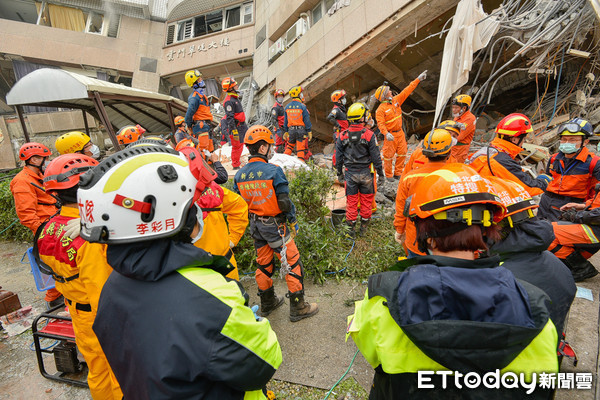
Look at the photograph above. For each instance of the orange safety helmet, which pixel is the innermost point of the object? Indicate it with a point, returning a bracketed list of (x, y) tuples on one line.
[(228, 84), (128, 134), (514, 125), (456, 193), (179, 120), (449, 125), (63, 172), (381, 92), (257, 133), (337, 95), (279, 92), (462, 100), (31, 149), (437, 143), (518, 202), (184, 143)]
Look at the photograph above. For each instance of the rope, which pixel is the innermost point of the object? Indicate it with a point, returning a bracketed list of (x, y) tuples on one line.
[(11, 224)]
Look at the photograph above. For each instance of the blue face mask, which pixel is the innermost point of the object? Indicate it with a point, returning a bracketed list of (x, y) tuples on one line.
[(568, 148)]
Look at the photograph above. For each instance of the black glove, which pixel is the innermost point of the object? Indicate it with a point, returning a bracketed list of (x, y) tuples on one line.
[(569, 215), (341, 179), (380, 180)]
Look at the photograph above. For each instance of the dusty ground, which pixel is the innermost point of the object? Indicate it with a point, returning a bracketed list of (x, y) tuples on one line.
[(315, 353)]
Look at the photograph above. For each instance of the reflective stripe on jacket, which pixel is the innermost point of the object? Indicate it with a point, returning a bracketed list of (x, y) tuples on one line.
[(296, 114), (389, 114)]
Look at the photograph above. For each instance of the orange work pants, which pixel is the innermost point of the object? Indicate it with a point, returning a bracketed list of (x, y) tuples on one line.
[(397, 149)]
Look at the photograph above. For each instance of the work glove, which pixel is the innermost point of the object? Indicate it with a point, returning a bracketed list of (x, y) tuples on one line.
[(341, 179), (286, 136), (72, 228), (389, 137), (310, 135), (295, 228), (544, 177), (461, 126), (231, 244), (569, 215), (422, 76), (399, 237), (380, 181), (235, 134)]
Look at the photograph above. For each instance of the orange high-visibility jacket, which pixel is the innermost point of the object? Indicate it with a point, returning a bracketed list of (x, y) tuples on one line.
[(418, 159), (33, 205), (465, 137), (389, 113)]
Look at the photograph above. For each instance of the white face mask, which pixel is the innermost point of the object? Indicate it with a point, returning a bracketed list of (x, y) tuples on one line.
[(343, 101), (454, 141), (302, 96), (280, 99), (200, 224), (95, 150)]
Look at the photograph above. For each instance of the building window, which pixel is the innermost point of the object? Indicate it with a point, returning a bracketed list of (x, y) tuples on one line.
[(212, 22), (95, 23), (317, 13)]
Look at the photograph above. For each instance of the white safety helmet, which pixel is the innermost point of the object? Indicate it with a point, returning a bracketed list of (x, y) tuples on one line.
[(137, 194)]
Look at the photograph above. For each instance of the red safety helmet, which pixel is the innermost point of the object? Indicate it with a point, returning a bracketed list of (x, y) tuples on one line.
[(179, 120), (257, 133), (279, 92), (228, 84), (184, 143), (337, 95), (63, 172), (455, 193), (514, 125), (31, 149)]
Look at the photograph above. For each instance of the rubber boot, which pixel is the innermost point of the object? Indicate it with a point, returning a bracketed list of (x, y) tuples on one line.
[(269, 301), (364, 223), (300, 309), (581, 269), (352, 229)]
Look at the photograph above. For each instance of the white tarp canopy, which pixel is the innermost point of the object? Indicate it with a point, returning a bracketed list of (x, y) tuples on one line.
[(471, 30), (115, 105)]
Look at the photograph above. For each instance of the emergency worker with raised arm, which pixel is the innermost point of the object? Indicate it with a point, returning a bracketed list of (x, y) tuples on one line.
[(574, 170), (198, 117), (273, 225), (435, 319), (357, 158), (389, 121), (32, 204), (461, 112), (171, 324), (499, 158), (297, 125)]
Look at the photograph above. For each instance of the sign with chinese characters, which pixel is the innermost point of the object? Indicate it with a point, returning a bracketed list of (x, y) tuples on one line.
[(202, 47)]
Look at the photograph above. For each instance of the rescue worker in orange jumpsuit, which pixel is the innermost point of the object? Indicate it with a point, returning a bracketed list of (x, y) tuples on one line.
[(574, 170), (389, 121), (437, 146), (198, 117), (235, 120), (461, 113), (77, 142), (337, 117), (79, 269), (498, 159), (296, 125), (357, 153), (129, 134), (272, 220), (32, 204), (577, 237), (182, 131), (216, 202), (417, 159), (278, 114)]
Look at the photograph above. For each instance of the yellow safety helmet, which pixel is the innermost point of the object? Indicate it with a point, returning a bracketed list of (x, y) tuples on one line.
[(462, 100), (437, 143), (356, 112), (381, 92), (449, 125), (71, 142), (192, 76), (295, 92)]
